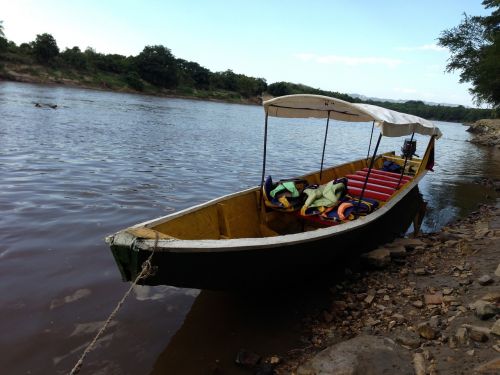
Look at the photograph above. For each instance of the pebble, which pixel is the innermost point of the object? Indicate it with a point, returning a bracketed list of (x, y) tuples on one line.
[(485, 280), (495, 329), (420, 271), (447, 291), (449, 299), (433, 299), (419, 304), (419, 364), (462, 336), (427, 331), (408, 339), (478, 335)]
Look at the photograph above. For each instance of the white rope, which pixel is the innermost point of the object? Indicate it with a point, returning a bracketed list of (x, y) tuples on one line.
[(145, 272)]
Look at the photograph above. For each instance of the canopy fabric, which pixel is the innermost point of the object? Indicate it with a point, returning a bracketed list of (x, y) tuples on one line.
[(391, 123)]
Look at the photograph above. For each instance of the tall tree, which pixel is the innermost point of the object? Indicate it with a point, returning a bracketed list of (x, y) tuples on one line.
[(475, 51), (4, 43), (74, 58), (45, 48), (158, 66), (191, 72)]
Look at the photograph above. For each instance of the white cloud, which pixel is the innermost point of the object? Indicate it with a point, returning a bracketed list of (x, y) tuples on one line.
[(425, 47), (349, 60)]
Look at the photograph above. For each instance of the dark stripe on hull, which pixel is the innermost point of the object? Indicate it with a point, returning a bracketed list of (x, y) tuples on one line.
[(278, 266)]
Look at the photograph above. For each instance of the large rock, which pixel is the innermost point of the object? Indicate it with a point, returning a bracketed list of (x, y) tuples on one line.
[(362, 355), (486, 132)]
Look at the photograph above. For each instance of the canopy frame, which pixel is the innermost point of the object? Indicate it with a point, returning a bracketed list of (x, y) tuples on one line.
[(391, 123)]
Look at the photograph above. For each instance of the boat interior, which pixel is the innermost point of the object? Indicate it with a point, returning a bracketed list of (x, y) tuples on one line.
[(249, 215)]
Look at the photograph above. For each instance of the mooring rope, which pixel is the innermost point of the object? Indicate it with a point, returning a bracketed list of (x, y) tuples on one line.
[(146, 271)]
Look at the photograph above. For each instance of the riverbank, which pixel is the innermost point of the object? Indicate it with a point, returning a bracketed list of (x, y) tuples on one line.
[(486, 132), (38, 74), (425, 305)]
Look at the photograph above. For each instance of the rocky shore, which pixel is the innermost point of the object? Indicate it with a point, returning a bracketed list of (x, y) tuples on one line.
[(424, 305), (486, 132)]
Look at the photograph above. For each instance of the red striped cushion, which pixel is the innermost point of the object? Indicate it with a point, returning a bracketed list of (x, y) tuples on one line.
[(373, 180), (368, 193), (389, 174), (371, 186)]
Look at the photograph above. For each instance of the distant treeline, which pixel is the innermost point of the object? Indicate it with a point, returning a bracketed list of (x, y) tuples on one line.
[(156, 68), (414, 107)]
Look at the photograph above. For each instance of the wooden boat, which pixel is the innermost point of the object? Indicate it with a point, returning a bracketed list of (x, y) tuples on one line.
[(241, 240)]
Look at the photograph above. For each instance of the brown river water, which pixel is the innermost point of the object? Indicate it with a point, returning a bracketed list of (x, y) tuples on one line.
[(102, 161)]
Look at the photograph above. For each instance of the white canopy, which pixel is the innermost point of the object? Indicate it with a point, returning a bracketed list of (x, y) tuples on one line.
[(391, 123)]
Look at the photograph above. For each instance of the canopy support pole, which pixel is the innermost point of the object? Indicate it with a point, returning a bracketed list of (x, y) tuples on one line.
[(263, 162), (324, 147), (404, 165), (370, 145), (368, 174)]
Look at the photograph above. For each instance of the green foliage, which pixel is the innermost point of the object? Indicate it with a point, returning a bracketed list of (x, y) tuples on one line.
[(230, 81), (74, 58), (45, 48), (157, 65), (134, 81), (436, 112), (24, 48), (475, 52), (4, 44), (287, 88), (3, 41), (192, 74), (111, 63)]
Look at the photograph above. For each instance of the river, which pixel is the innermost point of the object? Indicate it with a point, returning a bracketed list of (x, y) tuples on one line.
[(102, 161)]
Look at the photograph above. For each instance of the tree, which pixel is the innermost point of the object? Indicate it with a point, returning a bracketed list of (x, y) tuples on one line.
[(3, 42), (74, 58), (475, 51), (157, 65), (194, 74), (45, 48)]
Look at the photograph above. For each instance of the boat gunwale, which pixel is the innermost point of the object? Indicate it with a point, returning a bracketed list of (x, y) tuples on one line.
[(176, 245)]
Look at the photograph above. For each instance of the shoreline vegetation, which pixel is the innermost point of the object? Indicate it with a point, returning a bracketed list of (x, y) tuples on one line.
[(156, 71)]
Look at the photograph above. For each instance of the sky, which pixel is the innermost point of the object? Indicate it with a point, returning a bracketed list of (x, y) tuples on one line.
[(384, 49)]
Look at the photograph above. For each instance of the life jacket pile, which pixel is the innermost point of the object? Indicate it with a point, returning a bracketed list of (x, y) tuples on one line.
[(330, 201), (284, 195)]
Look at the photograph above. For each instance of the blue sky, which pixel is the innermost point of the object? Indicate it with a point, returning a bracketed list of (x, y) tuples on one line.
[(383, 49)]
